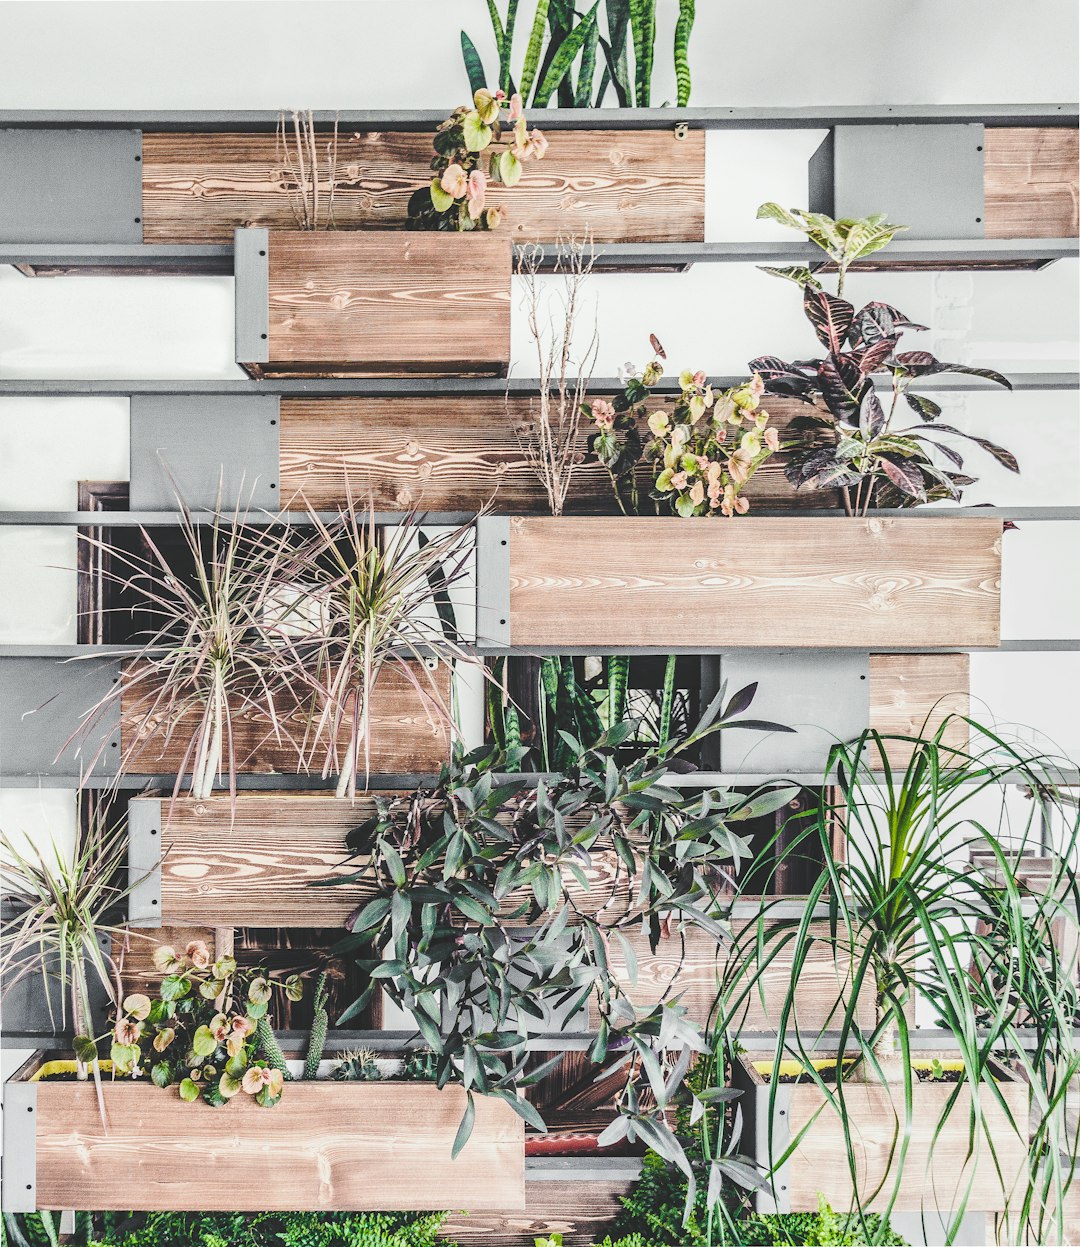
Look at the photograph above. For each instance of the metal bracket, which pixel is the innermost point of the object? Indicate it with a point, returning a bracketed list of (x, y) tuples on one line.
[(682, 129), (221, 450), (493, 581), (18, 1182), (862, 169), (252, 298), (778, 1126), (71, 186), (42, 700), (823, 694), (144, 862)]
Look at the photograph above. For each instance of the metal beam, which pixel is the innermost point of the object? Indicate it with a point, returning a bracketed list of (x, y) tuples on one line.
[(814, 118), (18, 1178)]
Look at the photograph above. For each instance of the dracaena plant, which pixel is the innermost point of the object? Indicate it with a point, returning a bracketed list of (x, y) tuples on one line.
[(468, 159), (62, 902), (205, 1031), (857, 443), (480, 898), (374, 598), (910, 918), (209, 656)]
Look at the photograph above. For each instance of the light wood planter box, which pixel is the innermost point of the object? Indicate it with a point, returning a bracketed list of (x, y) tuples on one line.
[(372, 303), (936, 1170), (755, 581), (326, 1146), (616, 185)]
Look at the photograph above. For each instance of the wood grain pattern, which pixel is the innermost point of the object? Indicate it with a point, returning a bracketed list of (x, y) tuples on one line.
[(755, 581), (325, 1146), (1030, 182), (618, 185), (457, 453), (370, 303), (935, 1171), (582, 1212), (405, 734), (911, 694), (691, 965), (253, 863), (137, 970)]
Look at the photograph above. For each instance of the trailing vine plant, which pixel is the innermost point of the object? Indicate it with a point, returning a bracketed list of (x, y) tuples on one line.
[(498, 902)]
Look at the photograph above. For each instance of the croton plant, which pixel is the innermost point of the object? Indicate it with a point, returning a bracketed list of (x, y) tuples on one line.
[(854, 442), (468, 159), (201, 1032)]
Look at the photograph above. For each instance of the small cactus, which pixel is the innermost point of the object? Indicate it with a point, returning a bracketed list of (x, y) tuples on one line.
[(270, 1047), (356, 1066), (317, 1039)]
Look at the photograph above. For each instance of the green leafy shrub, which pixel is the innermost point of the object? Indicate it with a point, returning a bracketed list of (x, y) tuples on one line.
[(289, 1229)]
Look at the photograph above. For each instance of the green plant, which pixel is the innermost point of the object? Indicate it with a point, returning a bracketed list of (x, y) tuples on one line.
[(356, 1066), (369, 594), (865, 455), (420, 1065), (205, 1030), (578, 39), (320, 1021), (703, 452), (211, 654), (466, 161), (453, 869), (269, 1229), (918, 923), (64, 905)]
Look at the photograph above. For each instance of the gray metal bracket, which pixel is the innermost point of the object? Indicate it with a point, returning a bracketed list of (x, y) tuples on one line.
[(862, 169), (251, 265), (778, 1126), (144, 862), (18, 1181), (823, 694), (493, 582), (214, 451), (71, 186), (44, 700)]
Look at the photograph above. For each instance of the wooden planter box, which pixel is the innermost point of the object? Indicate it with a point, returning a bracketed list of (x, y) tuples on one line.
[(754, 581), (372, 303), (934, 1168), (380, 1146)]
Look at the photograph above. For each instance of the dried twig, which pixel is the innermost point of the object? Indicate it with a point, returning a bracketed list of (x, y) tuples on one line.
[(298, 152), (564, 370)]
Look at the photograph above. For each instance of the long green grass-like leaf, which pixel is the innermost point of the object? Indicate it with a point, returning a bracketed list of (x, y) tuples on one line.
[(474, 67), (506, 46), (564, 58), (534, 48), (683, 27), (587, 69), (643, 29)]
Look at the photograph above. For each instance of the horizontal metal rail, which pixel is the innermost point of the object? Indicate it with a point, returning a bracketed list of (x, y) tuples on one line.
[(444, 387), (779, 118), (218, 258)]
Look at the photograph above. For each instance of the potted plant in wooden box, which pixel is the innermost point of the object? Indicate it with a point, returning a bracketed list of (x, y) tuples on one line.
[(199, 1069), (435, 298), (976, 1120)]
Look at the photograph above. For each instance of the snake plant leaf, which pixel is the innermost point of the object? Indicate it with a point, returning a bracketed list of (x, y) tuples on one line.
[(532, 51), (474, 67), (667, 700), (643, 31), (618, 24), (564, 57), (683, 26), (506, 45), (618, 677), (587, 70)]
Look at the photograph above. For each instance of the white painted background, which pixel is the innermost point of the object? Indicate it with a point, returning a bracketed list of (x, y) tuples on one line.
[(405, 54)]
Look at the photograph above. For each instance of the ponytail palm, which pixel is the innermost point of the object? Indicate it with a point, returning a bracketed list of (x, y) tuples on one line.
[(922, 927)]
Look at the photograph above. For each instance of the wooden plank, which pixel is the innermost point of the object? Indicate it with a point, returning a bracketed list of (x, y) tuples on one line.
[(457, 453), (936, 1170), (1030, 183), (582, 1212), (911, 694), (252, 862), (755, 581), (390, 303), (325, 1146), (690, 966), (405, 735), (620, 186), (136, 957)]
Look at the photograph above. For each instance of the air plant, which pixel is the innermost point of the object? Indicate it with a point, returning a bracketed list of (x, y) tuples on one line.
[(216, 648), (917, 922), (377, 593), (64, 903), (565, 358)]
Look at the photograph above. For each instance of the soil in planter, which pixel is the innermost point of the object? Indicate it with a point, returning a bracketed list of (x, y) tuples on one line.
[(950, 1072)]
